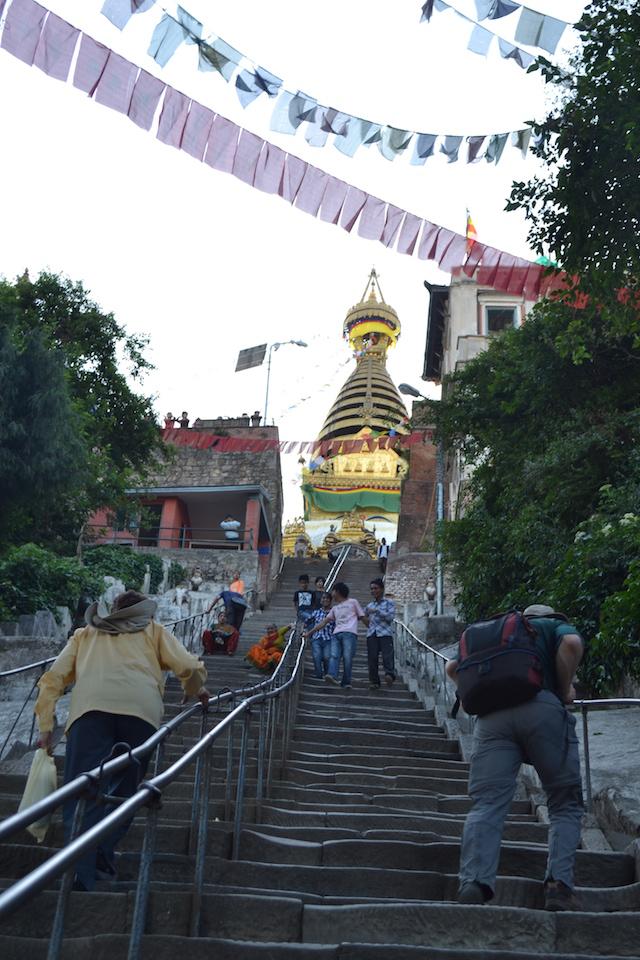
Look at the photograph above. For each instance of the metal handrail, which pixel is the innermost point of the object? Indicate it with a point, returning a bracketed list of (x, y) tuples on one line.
[(442, 683), (27, 666), (75, 788), (149, 794), (197, 624), (187, 537), (337, 566)]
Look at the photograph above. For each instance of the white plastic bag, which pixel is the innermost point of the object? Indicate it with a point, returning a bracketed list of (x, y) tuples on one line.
[(42, 781)]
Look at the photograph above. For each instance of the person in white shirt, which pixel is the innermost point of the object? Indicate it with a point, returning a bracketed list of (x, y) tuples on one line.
[(383, 555), (345, 613)]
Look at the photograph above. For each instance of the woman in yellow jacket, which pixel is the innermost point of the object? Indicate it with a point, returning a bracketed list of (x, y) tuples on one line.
[(116, 664)]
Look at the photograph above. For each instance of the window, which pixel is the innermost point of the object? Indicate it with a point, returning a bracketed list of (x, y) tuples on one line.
[(499, 318)]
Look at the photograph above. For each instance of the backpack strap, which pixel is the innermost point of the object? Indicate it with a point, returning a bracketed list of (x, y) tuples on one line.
[(455, 708)]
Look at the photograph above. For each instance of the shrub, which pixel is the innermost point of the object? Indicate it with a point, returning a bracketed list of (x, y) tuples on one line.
[(124, 564), (32, 578), (177, 574)]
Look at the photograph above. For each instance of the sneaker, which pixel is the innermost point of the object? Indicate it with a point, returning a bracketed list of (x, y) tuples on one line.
[(374, 686), (558, 896), (472, 892), (346, 686), (388, 679), (329, 678)]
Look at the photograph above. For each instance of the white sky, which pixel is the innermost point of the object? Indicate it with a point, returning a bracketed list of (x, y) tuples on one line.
[(206, 265)]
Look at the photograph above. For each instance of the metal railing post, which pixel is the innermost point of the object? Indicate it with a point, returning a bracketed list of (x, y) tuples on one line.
[(144, 876), (66, 883), (262, 735), (587, 759), (201, 846), (242, 769), (197, 788)]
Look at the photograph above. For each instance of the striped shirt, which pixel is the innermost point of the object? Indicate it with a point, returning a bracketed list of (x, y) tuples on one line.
[(381, 614), (325, 633)]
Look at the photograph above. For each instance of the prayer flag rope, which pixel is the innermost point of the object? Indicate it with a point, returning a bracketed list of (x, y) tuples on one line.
[(40, 38), (298, 111), (202, 440)]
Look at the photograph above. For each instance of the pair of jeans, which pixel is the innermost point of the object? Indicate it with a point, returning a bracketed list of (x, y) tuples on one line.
[(321, 651), (90, 740), (540, 732), (375, 647), (343, 645)]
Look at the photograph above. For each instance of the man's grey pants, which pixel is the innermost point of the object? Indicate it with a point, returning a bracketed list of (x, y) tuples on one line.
[(542, 733)]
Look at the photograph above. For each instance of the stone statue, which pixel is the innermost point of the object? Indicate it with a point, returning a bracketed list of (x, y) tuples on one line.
[(431, 592), (196, 579), (146, 583)]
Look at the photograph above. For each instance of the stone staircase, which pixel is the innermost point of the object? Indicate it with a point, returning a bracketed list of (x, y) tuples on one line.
[(354, 858)]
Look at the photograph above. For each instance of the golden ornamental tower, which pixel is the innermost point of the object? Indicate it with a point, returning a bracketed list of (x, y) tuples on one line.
[(351, 490)]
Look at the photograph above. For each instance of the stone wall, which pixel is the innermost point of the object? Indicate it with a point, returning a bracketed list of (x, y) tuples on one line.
[(217, 566)]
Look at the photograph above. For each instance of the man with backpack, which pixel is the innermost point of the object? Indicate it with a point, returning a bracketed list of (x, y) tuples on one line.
[(516, 672)]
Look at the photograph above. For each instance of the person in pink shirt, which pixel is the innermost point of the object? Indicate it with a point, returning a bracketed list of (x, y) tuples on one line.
[(345, 612)]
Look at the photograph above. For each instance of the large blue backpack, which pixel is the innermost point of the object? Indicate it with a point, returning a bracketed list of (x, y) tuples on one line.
[(498, 664)]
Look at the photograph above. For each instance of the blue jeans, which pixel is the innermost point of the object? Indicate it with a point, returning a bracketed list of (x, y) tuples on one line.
[(321, 651), (343, 645), (89, 740)]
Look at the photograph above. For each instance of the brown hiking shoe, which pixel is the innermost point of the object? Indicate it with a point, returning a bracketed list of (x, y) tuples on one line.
[(558, 896)]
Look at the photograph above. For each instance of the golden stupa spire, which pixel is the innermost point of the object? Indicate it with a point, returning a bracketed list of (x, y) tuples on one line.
[(371, 326), (368, 399)]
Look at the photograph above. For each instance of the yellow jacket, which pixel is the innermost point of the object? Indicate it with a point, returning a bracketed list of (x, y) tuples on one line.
[(117, 673)]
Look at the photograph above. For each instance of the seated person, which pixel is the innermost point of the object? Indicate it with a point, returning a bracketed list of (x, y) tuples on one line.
[(274, 637), (222, 638)]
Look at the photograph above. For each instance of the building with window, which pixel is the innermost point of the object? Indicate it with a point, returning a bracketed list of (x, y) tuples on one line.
[(463, 318), (212, 506)]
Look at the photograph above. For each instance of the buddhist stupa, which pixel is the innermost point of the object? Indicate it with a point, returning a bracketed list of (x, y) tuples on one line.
[(354, 495)]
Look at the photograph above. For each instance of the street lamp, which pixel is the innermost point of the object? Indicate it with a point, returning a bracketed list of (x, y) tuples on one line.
[(276, 346), (410, 391)]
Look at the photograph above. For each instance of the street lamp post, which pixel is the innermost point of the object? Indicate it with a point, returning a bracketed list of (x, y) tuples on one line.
[(410, 391), (276, 346)]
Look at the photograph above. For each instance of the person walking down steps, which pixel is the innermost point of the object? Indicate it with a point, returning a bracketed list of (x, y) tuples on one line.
[(539, 731), (321, 643), (345, 612), (380, 616)]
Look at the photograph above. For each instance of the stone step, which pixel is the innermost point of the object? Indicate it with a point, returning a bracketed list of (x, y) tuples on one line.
[(286, 918), (157, 947), (520, 809), (365, 738), (422, 762), (362, 818), (311, 750)]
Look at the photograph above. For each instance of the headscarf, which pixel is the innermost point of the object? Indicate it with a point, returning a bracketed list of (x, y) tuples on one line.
[(126, 620)]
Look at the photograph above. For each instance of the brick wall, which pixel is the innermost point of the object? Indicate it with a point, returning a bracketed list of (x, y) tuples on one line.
[(407, 575), (416, 523)]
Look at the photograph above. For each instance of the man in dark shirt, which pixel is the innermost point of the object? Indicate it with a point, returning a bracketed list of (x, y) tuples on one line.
[(540, 732), (303, 599)]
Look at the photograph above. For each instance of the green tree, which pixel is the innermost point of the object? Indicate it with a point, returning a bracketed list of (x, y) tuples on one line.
[(542, 435), (584, 208), (42, 454), (116, 434)]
